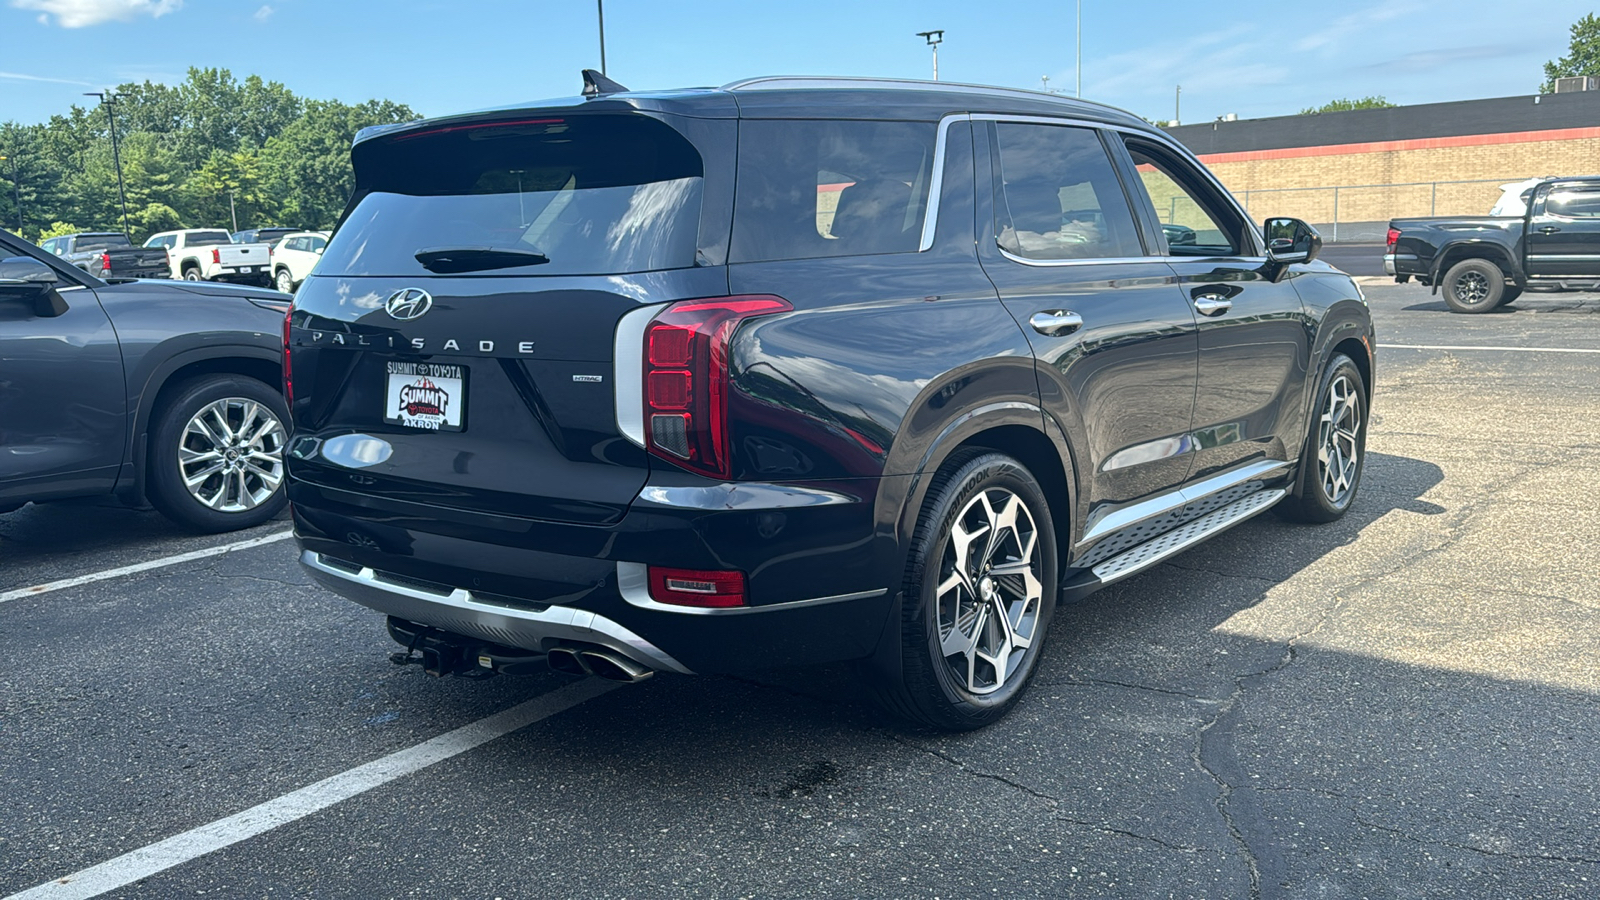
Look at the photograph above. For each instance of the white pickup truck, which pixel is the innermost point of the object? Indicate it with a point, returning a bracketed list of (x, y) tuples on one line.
[(208, 254)]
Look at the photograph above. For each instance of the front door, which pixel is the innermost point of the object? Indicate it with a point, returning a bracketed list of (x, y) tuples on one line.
[(62, 400), (1252, 332), (1113, 338), (1564, 231)]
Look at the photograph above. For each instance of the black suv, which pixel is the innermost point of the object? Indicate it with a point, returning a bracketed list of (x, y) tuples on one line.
[(799, 370)]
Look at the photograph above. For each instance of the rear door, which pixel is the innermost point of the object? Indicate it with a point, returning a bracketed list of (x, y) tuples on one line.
[(465, 314), (62, 398), (1253, 336), (1113, 337), (1564, 231)]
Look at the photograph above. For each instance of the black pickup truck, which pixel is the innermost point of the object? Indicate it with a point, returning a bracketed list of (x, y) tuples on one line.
[(160, 393), (1487, 261), (109, 255)]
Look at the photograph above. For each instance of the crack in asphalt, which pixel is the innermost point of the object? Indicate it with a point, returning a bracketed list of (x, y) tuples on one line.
[(1456, 845), (1107, 829), (1070, 681)]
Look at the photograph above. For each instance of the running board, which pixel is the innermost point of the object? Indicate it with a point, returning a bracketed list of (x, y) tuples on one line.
[(1174, 542)]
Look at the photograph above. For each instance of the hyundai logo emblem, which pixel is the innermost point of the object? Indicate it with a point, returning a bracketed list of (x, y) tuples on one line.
[(408, 304)]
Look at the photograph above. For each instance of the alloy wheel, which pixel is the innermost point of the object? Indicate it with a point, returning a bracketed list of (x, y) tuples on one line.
[(1338, 439), (990, 590), (231, 454), (1472, 288)]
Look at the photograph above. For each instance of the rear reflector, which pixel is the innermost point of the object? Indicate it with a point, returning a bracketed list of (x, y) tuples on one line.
[(694, 587)]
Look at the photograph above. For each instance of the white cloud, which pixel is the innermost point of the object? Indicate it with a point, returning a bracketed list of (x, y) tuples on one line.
[(18, 76), (79, 13), (264, 13)]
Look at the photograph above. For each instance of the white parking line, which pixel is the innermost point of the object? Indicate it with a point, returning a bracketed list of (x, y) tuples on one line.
[(190, 845), (1500, 349), (143, 567)]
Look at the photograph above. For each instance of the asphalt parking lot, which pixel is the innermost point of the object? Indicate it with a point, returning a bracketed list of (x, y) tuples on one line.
[(1405, 703)]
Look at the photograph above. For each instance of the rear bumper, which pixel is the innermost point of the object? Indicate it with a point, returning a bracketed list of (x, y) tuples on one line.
[(819, 574)]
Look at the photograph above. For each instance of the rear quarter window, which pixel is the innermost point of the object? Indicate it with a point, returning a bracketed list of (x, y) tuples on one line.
[(810, 188)]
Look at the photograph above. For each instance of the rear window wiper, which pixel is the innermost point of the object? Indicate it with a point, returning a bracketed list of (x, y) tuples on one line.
[(450, 260)]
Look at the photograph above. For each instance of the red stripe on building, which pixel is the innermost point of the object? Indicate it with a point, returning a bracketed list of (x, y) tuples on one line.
[(1467, 140)]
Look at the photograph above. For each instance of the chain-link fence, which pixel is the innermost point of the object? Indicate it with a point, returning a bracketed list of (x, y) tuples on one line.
[(1361, 212)]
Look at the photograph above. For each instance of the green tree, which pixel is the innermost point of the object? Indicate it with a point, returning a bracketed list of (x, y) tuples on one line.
[(1345, 104), (308, 165), (229, 185), (1583, 55), (57, 229)]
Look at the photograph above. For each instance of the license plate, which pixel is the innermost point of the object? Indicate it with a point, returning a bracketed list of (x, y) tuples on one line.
[(244, 270), (426, 396)]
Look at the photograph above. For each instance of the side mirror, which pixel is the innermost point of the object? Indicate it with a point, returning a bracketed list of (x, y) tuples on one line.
[(25, 279), (1291, 241), (318, 251)]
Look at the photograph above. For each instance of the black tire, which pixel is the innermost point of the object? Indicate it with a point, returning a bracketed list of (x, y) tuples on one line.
[(192, 274), (240, 495), (1474, 286), (1512, 292), (283, 281), (928, 689), (1326, 488)]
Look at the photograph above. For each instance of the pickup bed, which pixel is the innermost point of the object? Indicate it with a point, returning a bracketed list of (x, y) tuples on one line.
[(1483, 262), (208, 254), (109, 255)]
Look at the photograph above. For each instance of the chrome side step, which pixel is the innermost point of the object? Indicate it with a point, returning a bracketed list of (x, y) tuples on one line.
[(1180, 539)]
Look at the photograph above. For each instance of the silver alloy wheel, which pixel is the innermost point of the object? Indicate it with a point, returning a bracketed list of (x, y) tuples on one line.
[(1338, 439), (285, 281), (1472, 288), (990, 590), (231, 454)]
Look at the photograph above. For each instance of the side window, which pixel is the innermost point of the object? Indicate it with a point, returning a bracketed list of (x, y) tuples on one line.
[(295, 244), (1059, 196), (317, 243), (1194, 220), (50, 246), (1574, 202), (809, 188)]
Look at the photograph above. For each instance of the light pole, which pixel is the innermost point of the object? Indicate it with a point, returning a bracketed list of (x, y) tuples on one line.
[(1079, 92), (107, 99), (16, 191), (601, 4), (934, 39), (1177, 107)]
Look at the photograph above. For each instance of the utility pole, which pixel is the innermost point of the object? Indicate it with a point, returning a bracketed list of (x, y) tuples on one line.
[(16, 191), (233, 211), (1079, 92), (106, 100), (602, 7), (1177, 107), (934, 39), (1045, 79)]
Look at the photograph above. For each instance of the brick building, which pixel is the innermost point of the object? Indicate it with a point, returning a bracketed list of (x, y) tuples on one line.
[(1356, 170)]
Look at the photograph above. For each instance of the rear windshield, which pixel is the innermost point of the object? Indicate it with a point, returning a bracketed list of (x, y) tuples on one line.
[(100, 242), (206, 238), (583, 195), (830, 188)]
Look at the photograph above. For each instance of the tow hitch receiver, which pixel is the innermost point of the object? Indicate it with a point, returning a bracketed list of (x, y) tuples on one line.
[(442, 653)]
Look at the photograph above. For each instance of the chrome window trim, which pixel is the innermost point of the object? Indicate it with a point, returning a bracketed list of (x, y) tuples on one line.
[(930, 218), (627, 371), (633, 582), (1172, 500), (1107, 261)]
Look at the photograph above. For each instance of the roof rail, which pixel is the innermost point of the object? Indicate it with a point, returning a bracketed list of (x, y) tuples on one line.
[(801, 82)]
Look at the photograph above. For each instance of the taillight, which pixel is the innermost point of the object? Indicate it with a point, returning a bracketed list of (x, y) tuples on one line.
[(216, 255), (288, 375), (105, 261), (692, 587), (686, 379), (1394, 237)]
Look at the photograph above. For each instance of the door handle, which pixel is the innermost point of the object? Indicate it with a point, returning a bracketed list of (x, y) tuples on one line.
[(1212, 304), (1549, 229), (1056, 321)]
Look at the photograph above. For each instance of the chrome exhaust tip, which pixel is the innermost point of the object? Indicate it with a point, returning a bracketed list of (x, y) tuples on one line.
[(566, 661), (614, 666)]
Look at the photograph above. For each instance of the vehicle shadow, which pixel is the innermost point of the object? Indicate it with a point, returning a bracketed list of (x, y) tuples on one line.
[(1527, 303)]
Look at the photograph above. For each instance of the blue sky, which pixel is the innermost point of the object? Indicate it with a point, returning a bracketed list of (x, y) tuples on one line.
[(442, 57)]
